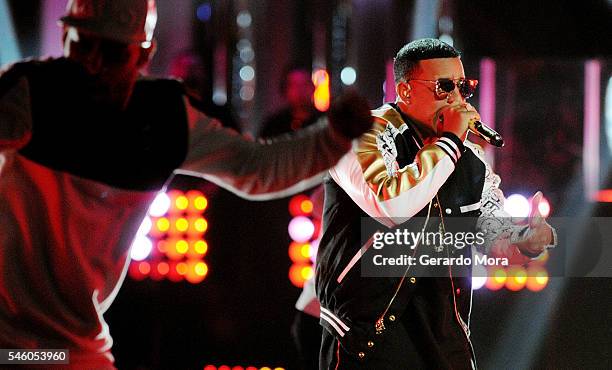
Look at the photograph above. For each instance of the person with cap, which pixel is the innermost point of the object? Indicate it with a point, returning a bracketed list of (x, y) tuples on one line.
[(86, 144)]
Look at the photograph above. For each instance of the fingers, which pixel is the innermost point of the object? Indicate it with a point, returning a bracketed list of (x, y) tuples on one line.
[(535, 217)]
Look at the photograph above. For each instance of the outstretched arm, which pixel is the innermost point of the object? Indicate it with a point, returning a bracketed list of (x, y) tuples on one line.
[(262, 170)]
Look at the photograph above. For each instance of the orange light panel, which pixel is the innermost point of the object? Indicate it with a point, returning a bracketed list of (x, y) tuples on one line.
[(321, 97)]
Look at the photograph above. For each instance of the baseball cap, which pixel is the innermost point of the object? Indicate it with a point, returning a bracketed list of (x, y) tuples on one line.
[(126, 21)]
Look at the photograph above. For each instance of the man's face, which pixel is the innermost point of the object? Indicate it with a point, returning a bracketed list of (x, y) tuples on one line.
[(299, 89), (113, 65), (424, 102)]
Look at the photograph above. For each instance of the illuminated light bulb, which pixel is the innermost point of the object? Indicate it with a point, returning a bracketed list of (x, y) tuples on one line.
[(479, 276), (182, 268), (201, 268), (301, 229), (163, 268), (496, 279), (321, 95), (295, 205), (544, 207), (196, 271), (307, 272), (200, 203), (537, 278), (295, 275), (144, 267), (182, 224), (182, 246), (141, 248), (305, 251), (200, 247), (145, 226), (306, 206), (517, 277), (348, 76), (163, 224), (517, 206), (160, 205), (296, 252), (200, 225), (181, 202)]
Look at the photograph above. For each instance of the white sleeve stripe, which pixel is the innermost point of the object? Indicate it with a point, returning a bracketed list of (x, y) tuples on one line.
[(349, 176), (453, 145), (333, 324), (335, 318), (447, 149), (355, 259)]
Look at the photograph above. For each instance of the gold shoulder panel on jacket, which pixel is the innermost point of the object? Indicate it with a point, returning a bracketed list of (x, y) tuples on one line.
[(385, 180)]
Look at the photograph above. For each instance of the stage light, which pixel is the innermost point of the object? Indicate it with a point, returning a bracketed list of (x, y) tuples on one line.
[(247, 93), (296, 274), (306, 206), (307, 272), (182, 268), (479, 276), (348, 76), (244, 19), (251, 368), (537, 278), (182, 224), (182, 246), (496, 279), (181, 203), (141, 247), (163, 224), (321, 96), (301, 229), (144, 267), (544, 207), (173, 275), (145, 226), (173, 248), (210, 367), (200, 225), (298, 205), (204, 12), (196, 271), (517, 206), (247, 73), (197, 201), (200, 247), (296, 252), (237, 368), (517, 277), (160, 205), (162, 246), (224, 367), (163, 268)]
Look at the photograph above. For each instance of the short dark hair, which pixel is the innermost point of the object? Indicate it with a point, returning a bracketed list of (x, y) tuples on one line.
[(407, 59)]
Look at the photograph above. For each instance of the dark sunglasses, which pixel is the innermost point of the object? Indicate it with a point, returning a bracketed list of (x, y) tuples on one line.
[(445, 86)]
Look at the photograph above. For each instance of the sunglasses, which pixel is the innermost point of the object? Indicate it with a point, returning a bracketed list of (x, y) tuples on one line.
[(445, 86)]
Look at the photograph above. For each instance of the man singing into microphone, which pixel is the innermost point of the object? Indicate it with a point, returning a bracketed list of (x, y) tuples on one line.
[(414, 163)]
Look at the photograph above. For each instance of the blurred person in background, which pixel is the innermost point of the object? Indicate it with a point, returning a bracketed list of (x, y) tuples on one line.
[(86, 143)]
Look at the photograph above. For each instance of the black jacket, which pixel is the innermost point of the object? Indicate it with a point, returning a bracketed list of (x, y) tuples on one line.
[(361, 312)]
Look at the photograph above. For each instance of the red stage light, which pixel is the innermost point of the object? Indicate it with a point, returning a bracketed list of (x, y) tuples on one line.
[(537, 278), (295, 205)]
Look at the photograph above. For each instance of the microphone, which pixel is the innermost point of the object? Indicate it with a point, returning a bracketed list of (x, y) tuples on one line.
[(486, 133)]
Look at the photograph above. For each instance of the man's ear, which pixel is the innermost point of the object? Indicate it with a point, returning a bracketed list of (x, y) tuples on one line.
[(403, 91), (146, 53)]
